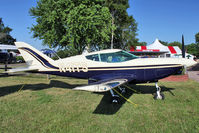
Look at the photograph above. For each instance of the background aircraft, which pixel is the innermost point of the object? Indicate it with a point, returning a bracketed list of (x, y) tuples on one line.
[(4, 54)]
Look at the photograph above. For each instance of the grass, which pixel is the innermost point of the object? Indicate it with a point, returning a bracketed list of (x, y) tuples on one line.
[(31, 103)]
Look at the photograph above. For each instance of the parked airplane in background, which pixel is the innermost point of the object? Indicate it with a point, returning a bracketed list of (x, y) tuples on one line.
[(5, 55), (105, 70)]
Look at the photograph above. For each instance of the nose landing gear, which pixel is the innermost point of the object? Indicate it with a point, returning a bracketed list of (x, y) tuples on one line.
[(158, 94)]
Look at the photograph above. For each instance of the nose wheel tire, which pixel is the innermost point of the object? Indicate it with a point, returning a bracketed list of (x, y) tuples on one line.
[(158, 94), (159, 97)]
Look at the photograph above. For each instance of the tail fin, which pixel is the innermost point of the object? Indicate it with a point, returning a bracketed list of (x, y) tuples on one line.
[(34, 57)]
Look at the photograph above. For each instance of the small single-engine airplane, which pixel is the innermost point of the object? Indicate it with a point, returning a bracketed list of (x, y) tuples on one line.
[(105, 70)]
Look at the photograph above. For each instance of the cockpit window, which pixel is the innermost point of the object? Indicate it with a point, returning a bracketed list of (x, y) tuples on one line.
[(94, 57), (120, 56)]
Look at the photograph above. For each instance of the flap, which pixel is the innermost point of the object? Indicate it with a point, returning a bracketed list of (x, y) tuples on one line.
[(102, 86)]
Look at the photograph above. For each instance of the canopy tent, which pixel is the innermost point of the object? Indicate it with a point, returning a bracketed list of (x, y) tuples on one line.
[(156, 46), (158, 49)]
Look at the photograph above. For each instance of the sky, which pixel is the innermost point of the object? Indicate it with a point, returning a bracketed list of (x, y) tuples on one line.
[(166, 20)]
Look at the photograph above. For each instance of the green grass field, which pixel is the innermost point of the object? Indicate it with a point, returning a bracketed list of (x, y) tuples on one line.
[(31, 103)]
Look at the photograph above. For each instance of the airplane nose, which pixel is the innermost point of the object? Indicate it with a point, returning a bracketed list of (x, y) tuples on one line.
[(188, 62)]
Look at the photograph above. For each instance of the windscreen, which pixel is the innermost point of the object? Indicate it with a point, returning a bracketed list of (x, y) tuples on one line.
[(120, 56), (115, 57)]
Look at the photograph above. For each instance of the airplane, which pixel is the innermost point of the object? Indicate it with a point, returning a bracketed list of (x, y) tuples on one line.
[(105, 69), (4, 54)]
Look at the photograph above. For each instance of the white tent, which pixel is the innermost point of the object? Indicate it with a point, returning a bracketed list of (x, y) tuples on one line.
[(164, 51), (157, 45)]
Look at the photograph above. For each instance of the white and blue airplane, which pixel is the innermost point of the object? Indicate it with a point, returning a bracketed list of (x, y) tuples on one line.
[(105, 70)]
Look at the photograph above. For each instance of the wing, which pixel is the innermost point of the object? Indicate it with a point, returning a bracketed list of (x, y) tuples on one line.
[(103, 85), (22, 69)]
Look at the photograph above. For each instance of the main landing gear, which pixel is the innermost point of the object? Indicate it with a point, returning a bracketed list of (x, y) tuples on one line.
[(116, 98), (158, 94)]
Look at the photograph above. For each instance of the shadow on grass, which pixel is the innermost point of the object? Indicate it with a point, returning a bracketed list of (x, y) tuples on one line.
[(105, 106), (53, 83)]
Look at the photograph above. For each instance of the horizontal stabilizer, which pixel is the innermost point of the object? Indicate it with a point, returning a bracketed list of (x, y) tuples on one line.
[(102, 86), (22, 69)]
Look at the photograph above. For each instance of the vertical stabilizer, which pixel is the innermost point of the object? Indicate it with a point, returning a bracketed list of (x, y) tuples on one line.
[(34, 57)]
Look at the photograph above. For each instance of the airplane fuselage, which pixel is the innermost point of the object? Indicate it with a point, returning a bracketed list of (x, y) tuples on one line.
[(138, 70)]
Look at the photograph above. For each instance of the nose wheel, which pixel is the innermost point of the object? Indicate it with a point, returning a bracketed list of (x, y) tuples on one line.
[(158, 94)]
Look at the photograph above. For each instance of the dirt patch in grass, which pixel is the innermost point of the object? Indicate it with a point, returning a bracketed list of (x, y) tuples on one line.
[(176, 78)]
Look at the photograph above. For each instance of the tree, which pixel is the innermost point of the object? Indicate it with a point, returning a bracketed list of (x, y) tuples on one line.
[(141, 44), (124, 33), (197, 37), (197, 44), (164, 43), (74, 24), (128, 35), (5, 37), (192, 49)]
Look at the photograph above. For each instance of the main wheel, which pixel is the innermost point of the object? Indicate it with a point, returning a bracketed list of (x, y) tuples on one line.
[(115, 100)]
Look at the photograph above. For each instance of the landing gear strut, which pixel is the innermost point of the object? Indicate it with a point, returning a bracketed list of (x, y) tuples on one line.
[(158, 94), (115, 98)]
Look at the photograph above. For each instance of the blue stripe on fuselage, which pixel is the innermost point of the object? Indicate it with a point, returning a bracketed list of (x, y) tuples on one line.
[(137, 75), (145, 66)]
